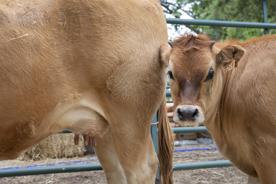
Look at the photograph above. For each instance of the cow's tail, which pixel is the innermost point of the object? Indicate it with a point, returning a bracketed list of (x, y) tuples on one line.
[(165, 146)]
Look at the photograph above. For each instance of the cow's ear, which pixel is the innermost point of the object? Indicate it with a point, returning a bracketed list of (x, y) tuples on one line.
[(229, 54), (164, 52)]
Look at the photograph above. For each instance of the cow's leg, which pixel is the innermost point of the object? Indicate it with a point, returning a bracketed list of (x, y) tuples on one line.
[(135, 151), (140, 167), (135, 93), (253, 180), (109, 160)]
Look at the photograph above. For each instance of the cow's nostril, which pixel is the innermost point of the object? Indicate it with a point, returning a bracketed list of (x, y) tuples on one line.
[(195, 113), (179, 111), (180, 114)]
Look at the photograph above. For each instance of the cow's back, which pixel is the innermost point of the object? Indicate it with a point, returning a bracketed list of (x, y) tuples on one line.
[(254, 81)]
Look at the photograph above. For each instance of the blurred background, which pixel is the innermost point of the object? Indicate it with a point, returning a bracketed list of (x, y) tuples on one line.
[(230, 10)]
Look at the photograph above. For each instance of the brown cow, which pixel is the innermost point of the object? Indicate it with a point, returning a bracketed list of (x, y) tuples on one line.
[(232, 88), (92, 66)]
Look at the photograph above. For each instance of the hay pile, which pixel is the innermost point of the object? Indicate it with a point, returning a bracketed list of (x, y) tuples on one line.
[(55, 146)]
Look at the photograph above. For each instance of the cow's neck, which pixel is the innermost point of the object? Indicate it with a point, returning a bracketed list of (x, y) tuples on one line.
[(224, 125), (215, 123)]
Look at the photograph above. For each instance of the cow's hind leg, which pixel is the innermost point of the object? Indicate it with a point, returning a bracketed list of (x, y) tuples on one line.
[(135, 151), (109, 160)]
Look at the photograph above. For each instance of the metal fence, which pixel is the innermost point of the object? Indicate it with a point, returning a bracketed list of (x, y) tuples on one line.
[(63, 168)]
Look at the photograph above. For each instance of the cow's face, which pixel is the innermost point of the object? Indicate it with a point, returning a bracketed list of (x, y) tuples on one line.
[(196, 77)]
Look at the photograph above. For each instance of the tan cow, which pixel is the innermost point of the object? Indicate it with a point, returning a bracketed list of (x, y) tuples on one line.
[(92, 66), (232, 88)]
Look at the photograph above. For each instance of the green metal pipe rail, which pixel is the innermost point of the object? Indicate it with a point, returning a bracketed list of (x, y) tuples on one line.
[(91, 167), (190, 129), (202, 165), (49, 170), (221, 23)]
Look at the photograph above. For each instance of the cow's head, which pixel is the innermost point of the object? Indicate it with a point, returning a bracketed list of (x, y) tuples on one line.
[(196, 73)]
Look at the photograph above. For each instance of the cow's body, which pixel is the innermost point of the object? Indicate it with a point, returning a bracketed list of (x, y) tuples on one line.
[(238, 103), (90, 66)]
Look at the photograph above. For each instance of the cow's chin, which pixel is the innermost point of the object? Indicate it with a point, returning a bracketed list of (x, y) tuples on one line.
[(186, 123)]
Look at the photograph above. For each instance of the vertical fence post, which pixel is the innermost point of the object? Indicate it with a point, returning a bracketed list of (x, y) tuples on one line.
[(154, 132), (154, 136), (265, 19)]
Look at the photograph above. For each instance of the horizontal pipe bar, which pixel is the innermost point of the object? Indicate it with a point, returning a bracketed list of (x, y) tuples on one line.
[(49, 170), (220, 23), (91, 167), (194, 149), (202, 165), (190, 129)]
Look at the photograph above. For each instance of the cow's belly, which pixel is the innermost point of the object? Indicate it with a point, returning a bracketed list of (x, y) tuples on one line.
[(19, 135), (80, 113)]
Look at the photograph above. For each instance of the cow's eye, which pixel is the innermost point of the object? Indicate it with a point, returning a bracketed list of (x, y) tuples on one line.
[(210, 74), (170, 75)]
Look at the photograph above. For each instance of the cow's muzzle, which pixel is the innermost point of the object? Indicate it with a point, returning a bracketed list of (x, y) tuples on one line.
[(188, 113)]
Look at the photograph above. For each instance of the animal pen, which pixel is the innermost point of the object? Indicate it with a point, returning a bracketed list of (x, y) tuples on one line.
[(78, 167)]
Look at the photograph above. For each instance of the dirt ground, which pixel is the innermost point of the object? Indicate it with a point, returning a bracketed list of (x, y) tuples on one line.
[(229, 175), (207, 176)]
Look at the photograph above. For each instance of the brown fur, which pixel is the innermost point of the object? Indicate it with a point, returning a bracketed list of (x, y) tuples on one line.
[(250, 41), (90, 66), (238, 103)]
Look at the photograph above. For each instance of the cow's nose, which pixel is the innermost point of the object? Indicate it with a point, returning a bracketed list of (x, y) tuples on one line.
[(187, 114)]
